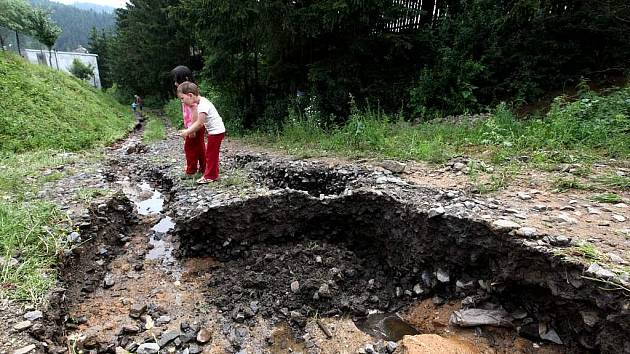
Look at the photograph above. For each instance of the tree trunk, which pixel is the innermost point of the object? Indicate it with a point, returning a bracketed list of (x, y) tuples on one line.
[(17, 39), (2, 43), (56, 60), (50, 56)]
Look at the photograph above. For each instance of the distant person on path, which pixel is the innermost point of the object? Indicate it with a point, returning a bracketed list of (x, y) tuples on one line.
[(194, 143), (139, 102), (134, 105), (204, 115)]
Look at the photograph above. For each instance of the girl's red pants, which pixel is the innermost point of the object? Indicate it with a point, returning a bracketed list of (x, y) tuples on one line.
[(212, 156)]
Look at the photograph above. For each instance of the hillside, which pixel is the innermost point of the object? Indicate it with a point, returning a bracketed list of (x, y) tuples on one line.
[(76, 23), (94, 7), (42, 108)]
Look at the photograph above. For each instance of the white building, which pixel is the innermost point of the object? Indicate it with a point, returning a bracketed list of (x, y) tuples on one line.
[(63, 61)]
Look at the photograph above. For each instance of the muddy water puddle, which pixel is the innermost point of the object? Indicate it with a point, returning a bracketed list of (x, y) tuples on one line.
[(160, 245), (148, 201)]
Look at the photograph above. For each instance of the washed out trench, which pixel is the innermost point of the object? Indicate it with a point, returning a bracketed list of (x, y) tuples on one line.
[(315, 260)]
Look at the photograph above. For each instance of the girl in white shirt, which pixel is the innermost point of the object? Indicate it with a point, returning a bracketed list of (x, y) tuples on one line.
[(204, 114)]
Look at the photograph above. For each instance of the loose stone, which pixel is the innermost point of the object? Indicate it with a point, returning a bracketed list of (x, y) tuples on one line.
[(163, 320), (615, 258), (24, 350), (503, 224), (204, 336), (526, 231), (600, 271), (394, 166), (20, 326), (137, 310), (167, 338), (564, 218), (433, 212), (108, 282), (194, 349), (33, 315), (618, 218), (295, 286), (148, 348), (130, 329), (442, 276)]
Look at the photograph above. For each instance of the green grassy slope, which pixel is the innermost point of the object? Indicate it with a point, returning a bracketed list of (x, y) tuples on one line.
[(42, 108), (43, 114)]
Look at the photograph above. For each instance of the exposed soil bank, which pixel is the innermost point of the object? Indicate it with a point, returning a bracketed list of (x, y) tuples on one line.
[(386, 251)]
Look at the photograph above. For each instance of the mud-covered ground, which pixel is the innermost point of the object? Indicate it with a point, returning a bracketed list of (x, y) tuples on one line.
[(129, 290)]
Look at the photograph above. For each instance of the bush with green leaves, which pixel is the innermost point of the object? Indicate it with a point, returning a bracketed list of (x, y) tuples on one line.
[(81, 70), (594, 127)]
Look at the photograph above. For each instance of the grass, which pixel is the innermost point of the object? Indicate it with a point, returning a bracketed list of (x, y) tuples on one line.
[(45, 114), (154, 130), (615, 181), (235, 178), (562, 184), (21, 175), (584, 250), (86, 195), (43, 108), (173, 110), (592, 128), (607, 198), (588, 251), (32, 235)]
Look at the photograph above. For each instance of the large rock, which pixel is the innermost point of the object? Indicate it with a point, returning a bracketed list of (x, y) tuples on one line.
[(434, 344), (481, 317), (394, 166)]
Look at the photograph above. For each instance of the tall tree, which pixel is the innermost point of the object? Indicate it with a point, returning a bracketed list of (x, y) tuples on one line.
[(100, 43), (76, 23), (44, 30), (147, 45), (14, 15)]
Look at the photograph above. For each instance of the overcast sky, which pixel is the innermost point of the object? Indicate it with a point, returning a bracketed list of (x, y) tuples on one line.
[(112, 3)]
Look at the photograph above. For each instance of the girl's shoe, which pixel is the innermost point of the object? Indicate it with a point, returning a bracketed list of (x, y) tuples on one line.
[(205, 181)]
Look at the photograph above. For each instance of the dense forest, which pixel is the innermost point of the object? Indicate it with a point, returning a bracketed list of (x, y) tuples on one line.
[(75, 24), (419, 57)]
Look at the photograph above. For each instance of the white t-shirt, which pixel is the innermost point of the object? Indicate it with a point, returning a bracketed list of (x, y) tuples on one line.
[(213, 123)]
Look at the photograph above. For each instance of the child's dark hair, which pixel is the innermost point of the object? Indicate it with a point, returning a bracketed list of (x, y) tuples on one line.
[(188, 87), (181, 74)]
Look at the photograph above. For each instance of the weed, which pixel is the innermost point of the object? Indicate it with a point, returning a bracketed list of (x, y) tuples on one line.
[(615, 181), (31, 235), (236, 178), (584, 131), (588, 251), (607, 198), (88, 194), (154, 130), (564, 184)]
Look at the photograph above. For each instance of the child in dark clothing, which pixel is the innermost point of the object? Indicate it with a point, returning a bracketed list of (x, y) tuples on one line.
[(194, 144)]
